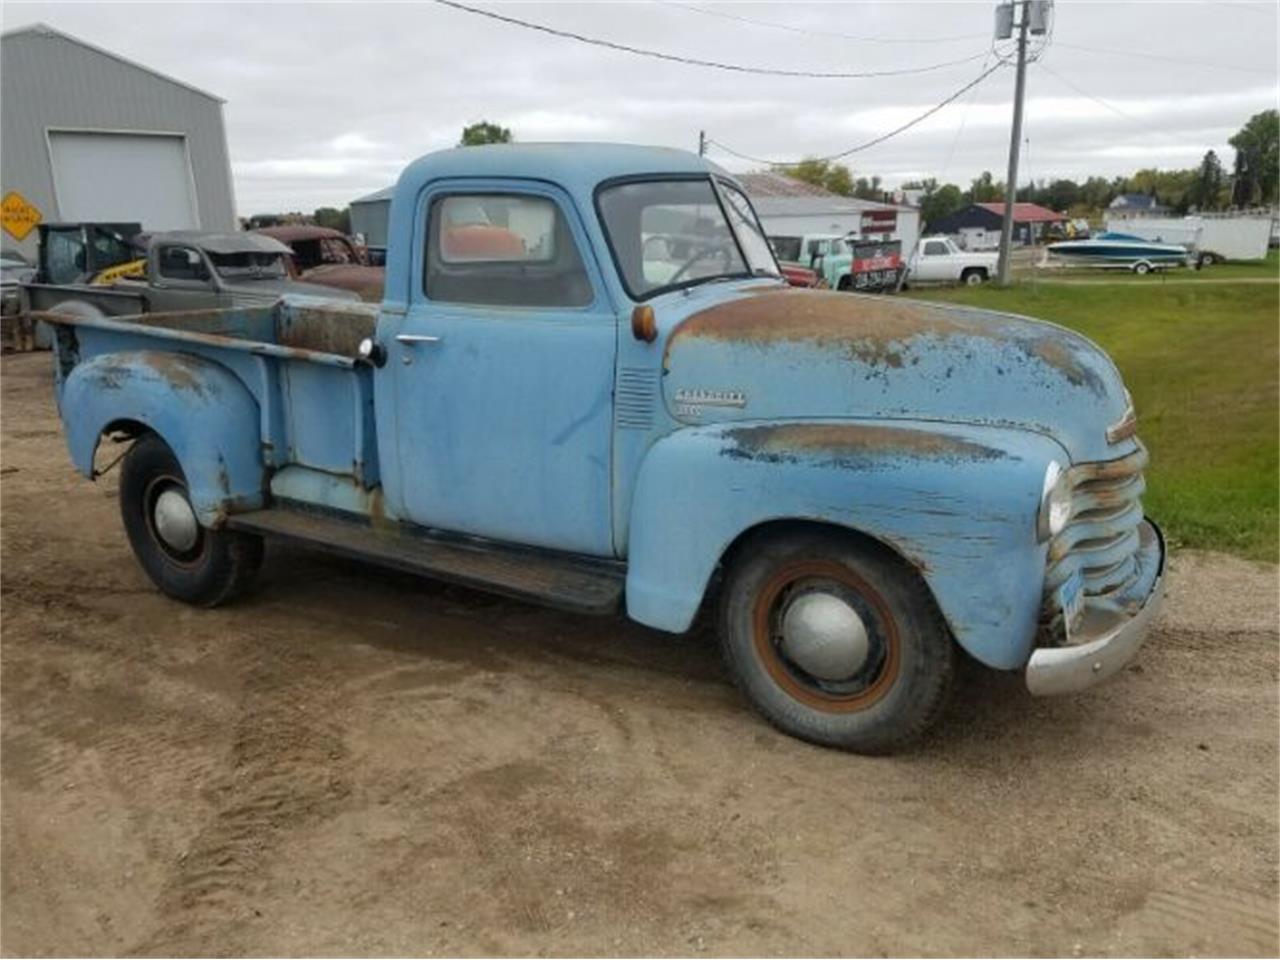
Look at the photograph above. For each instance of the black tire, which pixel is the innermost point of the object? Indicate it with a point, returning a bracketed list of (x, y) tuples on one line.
[(899, 689), (1205, 259), (973, 276), (220, 564), (1142, 268)]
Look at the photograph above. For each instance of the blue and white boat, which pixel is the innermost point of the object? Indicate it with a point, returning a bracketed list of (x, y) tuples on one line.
[(1121, 250)]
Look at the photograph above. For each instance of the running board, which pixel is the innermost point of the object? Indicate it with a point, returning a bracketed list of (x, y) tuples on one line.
[(557, 580)]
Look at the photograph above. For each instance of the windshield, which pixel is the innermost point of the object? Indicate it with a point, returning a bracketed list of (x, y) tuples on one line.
[(674, 233), (248, 265)]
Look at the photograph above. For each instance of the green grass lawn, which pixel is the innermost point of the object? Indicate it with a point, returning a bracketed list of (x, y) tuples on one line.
[(1202, 362)]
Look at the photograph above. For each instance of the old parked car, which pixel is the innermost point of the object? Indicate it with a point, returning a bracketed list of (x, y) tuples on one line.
[(179, 270), (544, 407), (330, 258)]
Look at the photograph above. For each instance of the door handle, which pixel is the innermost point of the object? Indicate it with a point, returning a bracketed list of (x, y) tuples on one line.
[(412, 338)]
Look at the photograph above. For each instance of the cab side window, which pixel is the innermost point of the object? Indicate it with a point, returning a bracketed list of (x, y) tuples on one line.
[(503, 250), (935, 248), (182, 263)]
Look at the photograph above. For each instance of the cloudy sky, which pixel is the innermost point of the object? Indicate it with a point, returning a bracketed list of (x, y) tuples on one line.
[(326, 101)]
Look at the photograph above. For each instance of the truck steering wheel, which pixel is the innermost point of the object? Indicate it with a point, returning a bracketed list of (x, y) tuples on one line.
[(702, 253)]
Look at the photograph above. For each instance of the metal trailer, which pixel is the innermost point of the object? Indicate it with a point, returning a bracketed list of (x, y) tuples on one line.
[(1210, 237)]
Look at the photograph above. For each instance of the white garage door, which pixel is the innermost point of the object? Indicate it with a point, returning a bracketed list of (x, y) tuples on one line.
[(132, 178)]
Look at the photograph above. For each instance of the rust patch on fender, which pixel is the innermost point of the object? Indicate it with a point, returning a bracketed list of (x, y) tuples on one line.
[(851, 443), (178, 369), (874, 330)]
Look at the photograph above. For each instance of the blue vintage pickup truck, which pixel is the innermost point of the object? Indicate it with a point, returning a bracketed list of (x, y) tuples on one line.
[(588, 386)]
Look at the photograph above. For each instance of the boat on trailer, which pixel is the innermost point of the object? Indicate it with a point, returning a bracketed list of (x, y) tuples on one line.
[(1121, 250)]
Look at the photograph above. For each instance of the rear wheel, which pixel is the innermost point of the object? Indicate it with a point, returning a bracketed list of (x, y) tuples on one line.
[(846, 283), (835, 640), (1205, 259), (1142, 268), (186, 561), (973, 276)]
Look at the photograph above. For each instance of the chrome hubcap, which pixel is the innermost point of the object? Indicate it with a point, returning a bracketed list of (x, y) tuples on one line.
[(824, 636), (175, 521)]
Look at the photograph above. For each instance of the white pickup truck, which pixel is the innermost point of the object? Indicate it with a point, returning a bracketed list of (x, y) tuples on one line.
[(939, 260)]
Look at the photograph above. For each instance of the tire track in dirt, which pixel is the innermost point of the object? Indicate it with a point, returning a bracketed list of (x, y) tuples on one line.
[(1183, 917), (282, 773)]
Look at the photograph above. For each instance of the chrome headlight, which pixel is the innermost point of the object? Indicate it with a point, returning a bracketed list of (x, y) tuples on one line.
[(1055, 502)]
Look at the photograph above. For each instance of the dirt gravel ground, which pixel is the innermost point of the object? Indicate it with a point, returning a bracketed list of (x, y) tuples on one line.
[(357, 762)]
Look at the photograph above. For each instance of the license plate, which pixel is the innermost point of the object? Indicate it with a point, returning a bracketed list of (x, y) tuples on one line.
[(1071, 601)]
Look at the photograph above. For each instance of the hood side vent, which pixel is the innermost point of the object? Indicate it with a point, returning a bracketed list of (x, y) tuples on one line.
[(636, 391)]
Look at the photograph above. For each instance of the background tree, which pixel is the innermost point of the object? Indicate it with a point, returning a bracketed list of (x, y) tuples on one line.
[(1257, 165), (940, 202), (821, 173), (839, 180), (865, 189), (1170, 187), (1060, 195), (1096, 193), (484, 132), (333, 218), (985, 189), (1207, 189)]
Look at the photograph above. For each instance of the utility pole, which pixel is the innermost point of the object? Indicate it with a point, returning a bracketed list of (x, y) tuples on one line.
[(1015, 141), (702, 143)]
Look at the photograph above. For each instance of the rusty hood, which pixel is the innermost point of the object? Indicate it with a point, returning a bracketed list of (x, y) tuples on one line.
[(768, 353)]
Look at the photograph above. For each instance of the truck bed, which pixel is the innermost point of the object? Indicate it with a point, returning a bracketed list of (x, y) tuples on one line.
[(297, 358)]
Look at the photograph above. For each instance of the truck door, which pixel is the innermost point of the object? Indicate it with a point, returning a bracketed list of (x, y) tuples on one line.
[(181, 278), (934, 262), (503, 371)]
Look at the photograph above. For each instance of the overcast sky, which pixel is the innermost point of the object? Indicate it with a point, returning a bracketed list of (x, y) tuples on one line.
[(326, 102)]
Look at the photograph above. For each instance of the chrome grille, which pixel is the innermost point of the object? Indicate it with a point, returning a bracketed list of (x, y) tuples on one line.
[(1101, 538)]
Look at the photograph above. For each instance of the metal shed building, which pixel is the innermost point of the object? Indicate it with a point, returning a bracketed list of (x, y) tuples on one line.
[(86, 134), (790, 207), (369, 216)]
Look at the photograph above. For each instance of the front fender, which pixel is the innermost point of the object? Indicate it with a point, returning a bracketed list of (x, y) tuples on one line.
[(957, 502), (200, 409)]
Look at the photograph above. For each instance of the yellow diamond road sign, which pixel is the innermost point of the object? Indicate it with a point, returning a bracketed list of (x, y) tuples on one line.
[(17, 216)]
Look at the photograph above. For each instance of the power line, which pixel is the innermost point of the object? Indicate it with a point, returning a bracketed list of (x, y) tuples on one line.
[(696, 62), (875, 140), (1181, 61), (1103, 103), (822, 34), (955, 142)]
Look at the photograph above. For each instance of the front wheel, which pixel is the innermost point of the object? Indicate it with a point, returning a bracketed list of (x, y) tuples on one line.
[(835, 640), (185, 560)]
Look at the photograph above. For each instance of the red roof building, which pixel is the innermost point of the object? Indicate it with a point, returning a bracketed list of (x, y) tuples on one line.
[(977, 226), (1026, 212)]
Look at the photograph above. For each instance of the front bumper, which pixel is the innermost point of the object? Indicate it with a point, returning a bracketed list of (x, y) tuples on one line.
[(1111, 630)]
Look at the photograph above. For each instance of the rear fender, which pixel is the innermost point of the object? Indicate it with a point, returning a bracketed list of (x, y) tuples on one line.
[(198, 407), (956, 502)]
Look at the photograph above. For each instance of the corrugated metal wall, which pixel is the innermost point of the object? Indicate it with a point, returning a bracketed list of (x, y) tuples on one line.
[(369, 218), (50, 81)]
